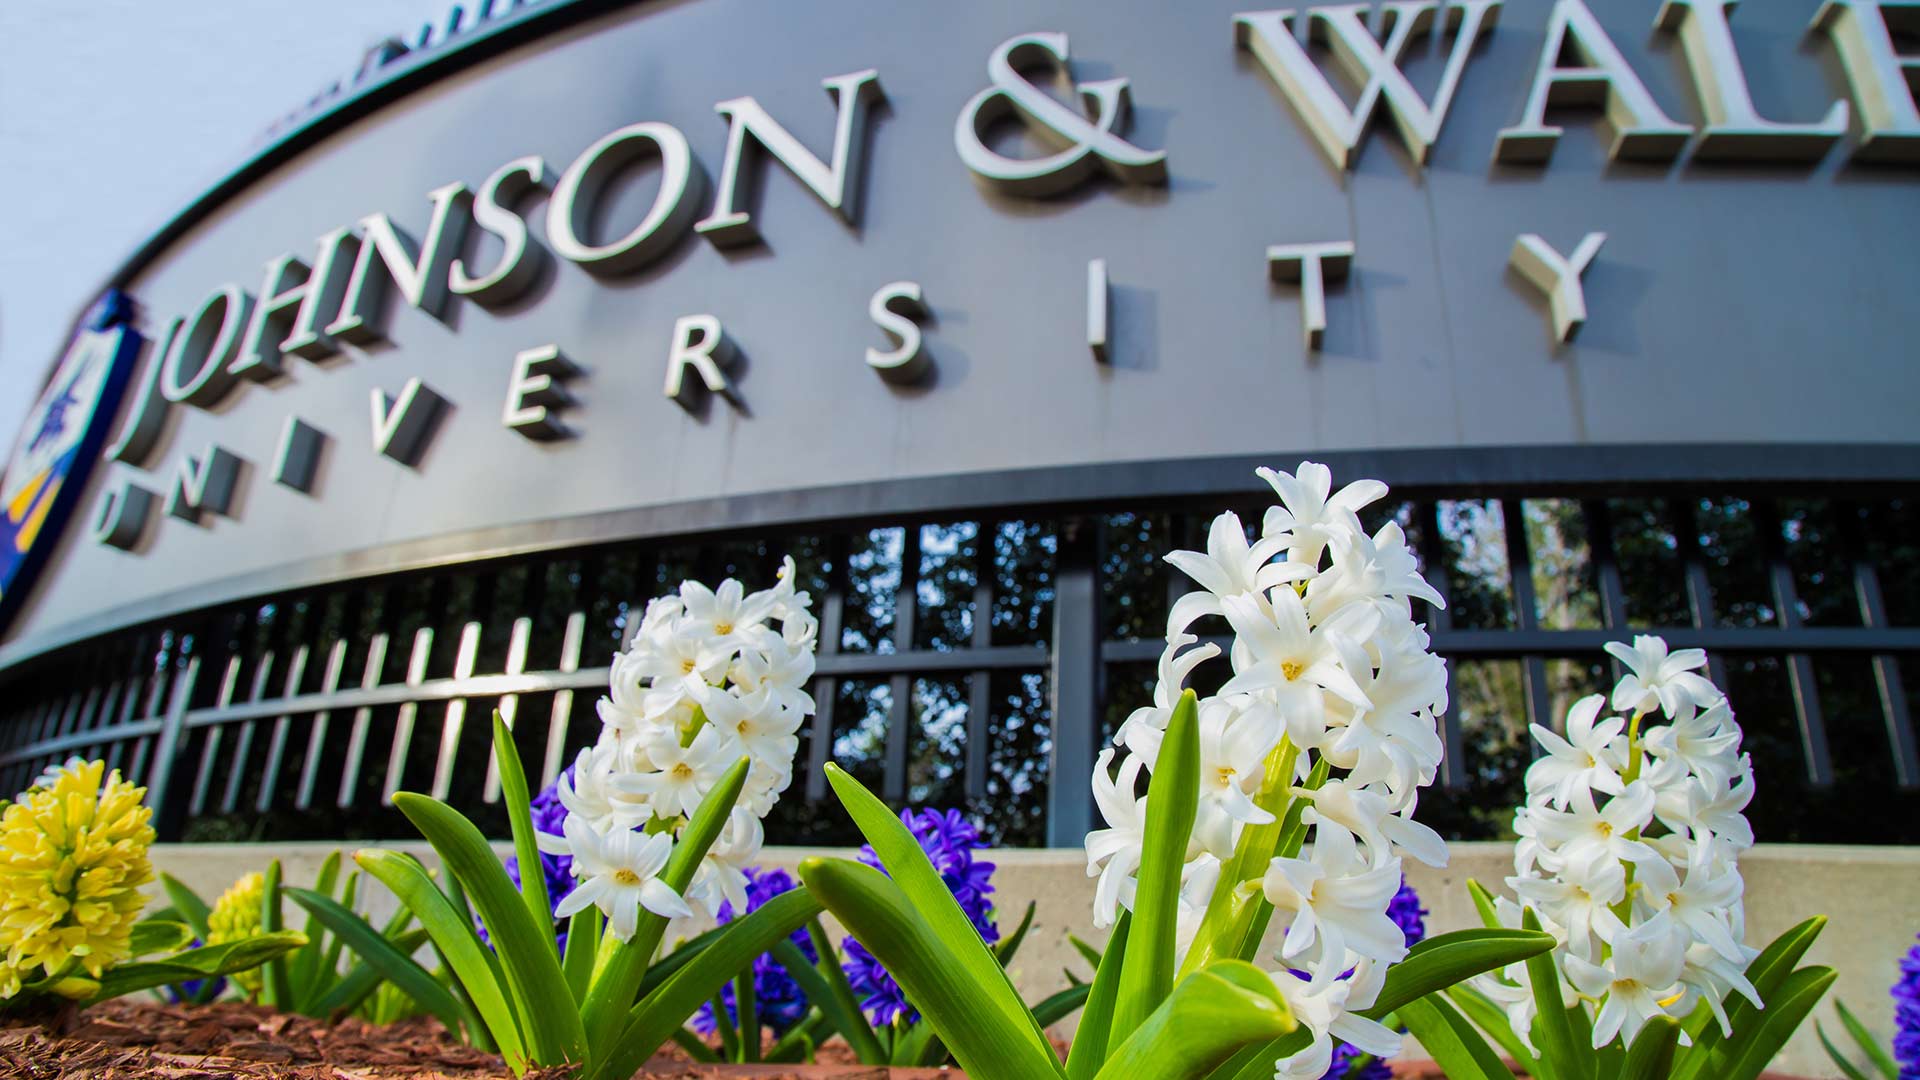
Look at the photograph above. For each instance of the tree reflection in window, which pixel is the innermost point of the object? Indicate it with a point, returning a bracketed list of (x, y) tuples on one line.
[(873, 582)]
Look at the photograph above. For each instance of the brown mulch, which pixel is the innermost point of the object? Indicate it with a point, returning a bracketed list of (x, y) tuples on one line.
[(122, 1040), (133, 1040)]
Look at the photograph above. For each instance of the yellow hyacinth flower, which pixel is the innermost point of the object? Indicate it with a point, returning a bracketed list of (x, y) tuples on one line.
[(235, 917), (73, 856)]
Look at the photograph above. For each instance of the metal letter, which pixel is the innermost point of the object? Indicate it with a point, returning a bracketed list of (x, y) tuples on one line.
[(1097, 300), (730, 225), (1735, 129), (402, 426), (297, 463), (196, 371), (673, 208), (534, 394), (123, 516), (1558, 277), (1641, 130), (519, 264), (339, 251), (291, 296), (1086, 145), (699, 342), (1312, 265), (895, 309), (1883, 79), (148, 420), (204, 484), (1338, 129), (421, 278)]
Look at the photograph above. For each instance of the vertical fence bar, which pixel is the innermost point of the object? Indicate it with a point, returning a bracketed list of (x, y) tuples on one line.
[(562, 714), (317, 733), (1800, 673), (980, 682), (243, 745), (456, 716), (403, 720), (1526, 615), (1433, 557), (509, 703), (900, 712), (362, 720), (210, 748), (282, 725), (826, 689), (1693, 561), (162, 787), (1075, 682), (1886, 667)]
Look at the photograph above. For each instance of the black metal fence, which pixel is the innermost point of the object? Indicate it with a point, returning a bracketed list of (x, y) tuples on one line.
[(973, 662)]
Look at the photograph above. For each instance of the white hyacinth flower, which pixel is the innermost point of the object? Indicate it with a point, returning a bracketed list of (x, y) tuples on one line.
[(707, 680), (618, 874), (1332, 701), (1630, 838)]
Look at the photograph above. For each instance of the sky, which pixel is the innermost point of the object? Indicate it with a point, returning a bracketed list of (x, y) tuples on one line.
[(114, 114)]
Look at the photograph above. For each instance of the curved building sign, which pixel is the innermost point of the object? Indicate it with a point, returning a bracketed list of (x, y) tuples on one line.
[(661, 253)]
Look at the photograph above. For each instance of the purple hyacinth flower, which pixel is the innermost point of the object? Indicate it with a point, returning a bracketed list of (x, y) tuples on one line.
[(1906, 1016), (950, 842), (778, 1000)]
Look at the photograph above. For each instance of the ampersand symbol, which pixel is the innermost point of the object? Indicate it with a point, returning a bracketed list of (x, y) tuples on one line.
[(1085, 144)]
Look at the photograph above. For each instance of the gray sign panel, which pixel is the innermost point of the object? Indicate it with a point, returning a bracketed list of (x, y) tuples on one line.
[(1217, 186)]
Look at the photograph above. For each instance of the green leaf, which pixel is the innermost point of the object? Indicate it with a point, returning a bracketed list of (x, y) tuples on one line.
[(1256, 1060), (349, 990), (276, 987), (1847, 1068), (1443, 1033), (697, 1050), (660, 1014), (458, 945), (1210, 1016), (304, 972), (865, 1044), (1767, 972), (1087, 952), (950, 994), (386, 958), (1483, 903), (1492, 1021), (1755, 1044), (551, 1022), (1651, 1055), (1876, 1053), (188, 903), (1562, 1057), (936, 910), (1173, 800), (616, 981), (838, 1010), (583, 942), (158, 936), (1061, 1004), (526, 851), (1089, 1050), (1228, 913), (1445, 959), (211, 961), (1009, 946)]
